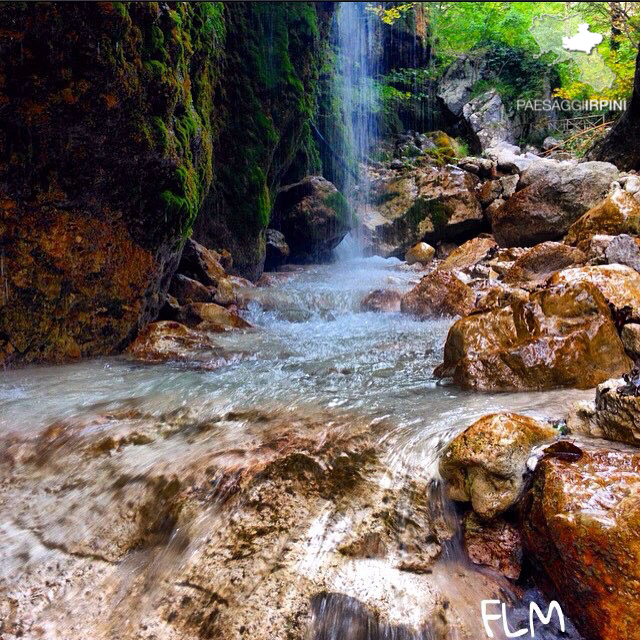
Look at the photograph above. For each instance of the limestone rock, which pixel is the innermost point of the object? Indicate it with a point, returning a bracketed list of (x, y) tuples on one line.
[(421, 204), (420, 252), (277, 250), (488, 120), (167, 341), (486, 464), (616, 214), (185, 290), (438, 293), (468, 254), (537, 264), (545, 209), (562, 336), (496, 544), (620, 286), (382, 300), (211, 317), (201, 264), (630, 335), (581, 525), (313, 216), (623, 249)]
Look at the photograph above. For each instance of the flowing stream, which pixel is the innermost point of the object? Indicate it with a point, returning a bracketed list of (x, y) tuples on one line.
[(312, 352)]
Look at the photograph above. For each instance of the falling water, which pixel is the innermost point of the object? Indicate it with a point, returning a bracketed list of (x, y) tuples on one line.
[(356, 40)]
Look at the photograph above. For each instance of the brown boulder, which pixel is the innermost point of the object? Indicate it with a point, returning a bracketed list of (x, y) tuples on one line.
[(616, 214), (562, 336), (420, 252), (615, 414), (537, 264), (486, 464), (171, 341), (201, 264), (382, 300), (546, 208), (185, 290), (313, 216), (496, 544), (468, 254), (211, 317), (620, 285), (581, 525), (437, 294)]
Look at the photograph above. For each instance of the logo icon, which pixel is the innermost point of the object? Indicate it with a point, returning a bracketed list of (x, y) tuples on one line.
[(571, 41)]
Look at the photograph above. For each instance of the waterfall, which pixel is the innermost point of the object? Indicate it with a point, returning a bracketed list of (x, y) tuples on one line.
[(356, 41)]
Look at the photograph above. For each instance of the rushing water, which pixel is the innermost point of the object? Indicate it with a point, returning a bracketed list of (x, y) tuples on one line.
[(312, 351)]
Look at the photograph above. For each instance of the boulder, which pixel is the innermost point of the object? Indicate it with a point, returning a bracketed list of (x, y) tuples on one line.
[(581, 523), (489, 191), (630, 335), (420, 252), (614, 415), (620, 286), (438, 294), (209, 316), (486, 464), (496, 544), (545, 209), (458, 81), (421, 204), (166, 341), (616, 214), (487, 119), (481, 167), (313, 216), (550, 142), (201, 264), (468, 254), (277, 250), (539, 263), (562, 336), (225, 293), (623, 249), (186, 290), (382, 300), (509, 158)]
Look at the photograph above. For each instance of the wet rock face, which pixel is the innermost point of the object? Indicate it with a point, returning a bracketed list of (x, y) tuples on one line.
[(581, 524), (167, 341), (439, 293), (420, 252), (468, 254), (615, 414), (539, 263), (559, 336), (620, 286), (382, 300), (496, 544), (421, 204), (215, 526), (616, 214), (546, 208), (277, 250), (313, 216), (486, 463), (102, 173)]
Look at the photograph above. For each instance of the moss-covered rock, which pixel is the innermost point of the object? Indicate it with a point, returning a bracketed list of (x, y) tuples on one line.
[(105, 159), (272, 59)]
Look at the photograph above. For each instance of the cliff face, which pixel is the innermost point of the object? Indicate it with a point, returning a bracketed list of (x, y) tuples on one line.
[(105, 158), (272, 56), (121, 123)]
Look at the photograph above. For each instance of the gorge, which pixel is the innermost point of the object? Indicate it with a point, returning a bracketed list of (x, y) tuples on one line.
[(307, 334)]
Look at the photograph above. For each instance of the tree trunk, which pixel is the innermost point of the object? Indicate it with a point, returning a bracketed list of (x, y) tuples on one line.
[(621, 146)]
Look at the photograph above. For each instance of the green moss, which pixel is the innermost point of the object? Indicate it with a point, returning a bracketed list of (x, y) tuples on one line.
[(432, 209), (340, 205)]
